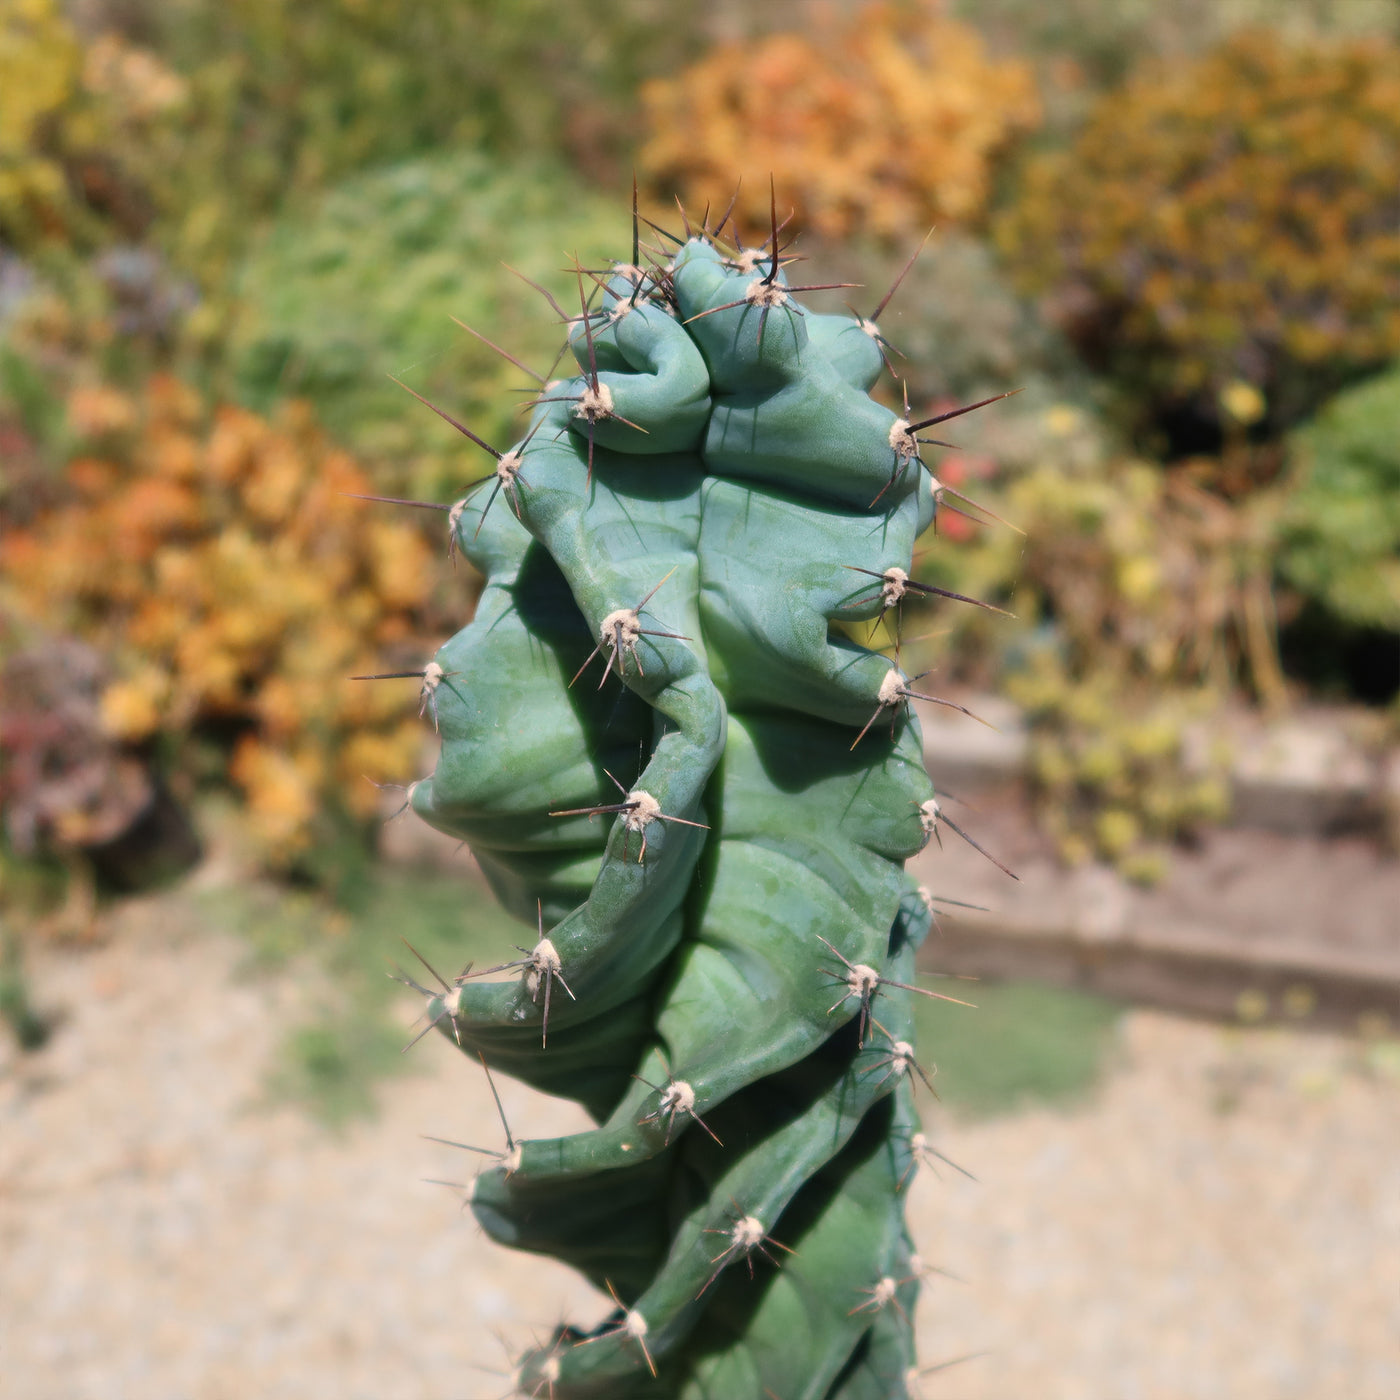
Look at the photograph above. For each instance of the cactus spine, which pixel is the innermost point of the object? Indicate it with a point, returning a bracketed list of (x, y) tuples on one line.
[(647, 741)]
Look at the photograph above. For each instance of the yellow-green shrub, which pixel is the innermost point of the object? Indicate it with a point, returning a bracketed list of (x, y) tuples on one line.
[(40, 62), (1144, 602), (217, 561), (83, 128), (878, 122)]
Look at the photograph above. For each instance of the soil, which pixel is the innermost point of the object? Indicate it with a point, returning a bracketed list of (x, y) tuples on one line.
[(1221, 1221)]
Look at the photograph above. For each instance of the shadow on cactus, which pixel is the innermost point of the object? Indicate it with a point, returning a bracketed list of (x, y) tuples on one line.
[(661, 750)]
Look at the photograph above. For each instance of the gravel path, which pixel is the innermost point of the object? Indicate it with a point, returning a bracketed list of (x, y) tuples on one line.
[(1223, 1220)]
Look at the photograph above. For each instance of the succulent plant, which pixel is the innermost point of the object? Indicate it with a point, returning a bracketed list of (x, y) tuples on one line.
[(672, 762)]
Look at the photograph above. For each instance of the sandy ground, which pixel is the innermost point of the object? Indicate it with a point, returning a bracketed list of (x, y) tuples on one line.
[(1221, 1220)]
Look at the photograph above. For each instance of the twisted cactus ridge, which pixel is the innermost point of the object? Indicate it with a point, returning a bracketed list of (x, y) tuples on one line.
[(700, 792)]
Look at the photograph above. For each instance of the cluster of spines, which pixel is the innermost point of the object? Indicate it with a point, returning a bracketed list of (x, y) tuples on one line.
[(883, 1068)]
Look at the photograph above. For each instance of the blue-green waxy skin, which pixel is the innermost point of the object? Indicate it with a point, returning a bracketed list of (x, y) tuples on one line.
[(735, 475)]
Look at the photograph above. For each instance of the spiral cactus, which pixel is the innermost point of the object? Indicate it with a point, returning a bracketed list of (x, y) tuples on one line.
[(700, 795)]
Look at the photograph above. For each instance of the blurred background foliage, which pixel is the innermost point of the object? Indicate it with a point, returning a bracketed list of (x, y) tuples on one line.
[(358, 285), (1233, 219), (232, 586), (875, 122), (225, 223), (1340, 532)]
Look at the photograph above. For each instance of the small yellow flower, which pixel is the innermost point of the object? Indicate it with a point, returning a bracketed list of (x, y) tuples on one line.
[(1138, 578), (1242, 402), (1061, 420), (1117, 832)]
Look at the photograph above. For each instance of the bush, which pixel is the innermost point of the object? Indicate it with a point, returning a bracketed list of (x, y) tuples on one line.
[(1227, 221), (342, 85), (882, 122), (186, 124), (1340, 533), (1143, 601), (363, 284), (38, 77), (235, 588), (75, 123)]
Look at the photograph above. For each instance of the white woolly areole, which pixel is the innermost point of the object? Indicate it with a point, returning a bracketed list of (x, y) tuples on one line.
[(634, 1324), (508, 467), (869, 327), (594, 403), (884, 1292), (895, 584), (925, 897), (646, 811), (747, 1233), (510, 1163), (891, 688), (626, 620), (637, 277), (678, 1097), (432, 675), (761, 293), (904, 443), (629, 272), (918, 1143), (548, 1372), (935, 487), (901, 1056), (544, 960), (928, 815), (750, 259), (453, 1001), (454, 515), (863, 980), (545, 957)]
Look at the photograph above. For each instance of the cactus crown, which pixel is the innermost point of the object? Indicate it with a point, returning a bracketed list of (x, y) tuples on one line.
[(647, 741)]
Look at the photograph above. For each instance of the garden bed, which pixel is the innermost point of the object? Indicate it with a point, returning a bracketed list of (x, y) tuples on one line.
[(1289, 911)]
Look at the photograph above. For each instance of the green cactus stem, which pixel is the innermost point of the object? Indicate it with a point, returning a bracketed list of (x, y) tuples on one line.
[(700, 793)]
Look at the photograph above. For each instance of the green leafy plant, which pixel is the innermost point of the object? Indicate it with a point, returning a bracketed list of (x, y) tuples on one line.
[(698, 791), (361, 282), (1340, 530)]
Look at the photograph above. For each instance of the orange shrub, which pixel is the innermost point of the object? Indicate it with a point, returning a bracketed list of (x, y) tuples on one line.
[(881, 122), (231, 580)]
